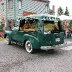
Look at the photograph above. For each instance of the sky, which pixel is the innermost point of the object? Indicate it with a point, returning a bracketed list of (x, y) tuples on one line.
[(63, 4)]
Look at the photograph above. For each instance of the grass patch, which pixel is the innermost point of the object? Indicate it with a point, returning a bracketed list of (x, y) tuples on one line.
[(2, 38)]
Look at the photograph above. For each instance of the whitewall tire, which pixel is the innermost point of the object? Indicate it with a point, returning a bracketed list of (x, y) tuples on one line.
[(28, 47)]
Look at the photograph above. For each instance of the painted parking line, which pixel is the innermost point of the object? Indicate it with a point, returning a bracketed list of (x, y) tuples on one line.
[(68, 42), (67, 48)]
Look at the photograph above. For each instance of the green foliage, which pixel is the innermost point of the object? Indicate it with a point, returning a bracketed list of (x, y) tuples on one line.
[(0, 27), (66, 12), (60, 11), (71, 23)]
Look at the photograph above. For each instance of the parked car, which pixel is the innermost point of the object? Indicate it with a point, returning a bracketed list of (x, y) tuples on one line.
[(37, 32)]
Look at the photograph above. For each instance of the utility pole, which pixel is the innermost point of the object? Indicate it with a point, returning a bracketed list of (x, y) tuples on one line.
[(15, 11), (6, 15)]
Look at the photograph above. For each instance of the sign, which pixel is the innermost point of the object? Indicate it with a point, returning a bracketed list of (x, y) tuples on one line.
[(25, 13)]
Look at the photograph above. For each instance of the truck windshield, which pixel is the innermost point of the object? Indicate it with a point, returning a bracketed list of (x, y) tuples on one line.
[(52, 26)]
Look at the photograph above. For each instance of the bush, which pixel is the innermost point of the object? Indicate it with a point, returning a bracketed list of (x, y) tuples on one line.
[(71, 23)]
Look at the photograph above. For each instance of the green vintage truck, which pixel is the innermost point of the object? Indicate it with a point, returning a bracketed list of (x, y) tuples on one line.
[(37, 32)]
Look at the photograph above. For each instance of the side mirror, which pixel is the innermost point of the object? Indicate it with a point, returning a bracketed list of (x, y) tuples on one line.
[(12, 29)]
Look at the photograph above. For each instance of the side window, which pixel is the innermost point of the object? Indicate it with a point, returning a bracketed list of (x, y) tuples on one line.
[(27, 25), (60, 26), (10, 4), (32, 24), (48, 26), (21, 25), (2, 6), (20, 4)]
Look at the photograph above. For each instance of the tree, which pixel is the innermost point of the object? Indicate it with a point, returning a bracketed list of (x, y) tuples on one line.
[(59, 11), (66, 12)]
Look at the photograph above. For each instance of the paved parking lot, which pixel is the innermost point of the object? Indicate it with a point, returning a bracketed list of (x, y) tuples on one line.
[(14, 58)]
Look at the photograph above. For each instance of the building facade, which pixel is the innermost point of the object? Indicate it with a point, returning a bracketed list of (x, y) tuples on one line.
[(10, 10)]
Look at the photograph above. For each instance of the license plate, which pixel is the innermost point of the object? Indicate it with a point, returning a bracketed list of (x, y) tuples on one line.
[(57, 39)]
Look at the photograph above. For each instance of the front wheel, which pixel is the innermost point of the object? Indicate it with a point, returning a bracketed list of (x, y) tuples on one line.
[(28, 47), (8, 41)]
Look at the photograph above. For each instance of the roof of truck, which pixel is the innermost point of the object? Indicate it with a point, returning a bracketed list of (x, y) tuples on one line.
[(42, 17)]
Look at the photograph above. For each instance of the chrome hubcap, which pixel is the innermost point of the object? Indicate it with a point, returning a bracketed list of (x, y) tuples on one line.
[(28, 46)]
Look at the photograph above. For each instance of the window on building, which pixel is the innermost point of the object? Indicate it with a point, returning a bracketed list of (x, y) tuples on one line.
[(20, 4), (46, 9), (2, 6), (0, 0), (10, 4)]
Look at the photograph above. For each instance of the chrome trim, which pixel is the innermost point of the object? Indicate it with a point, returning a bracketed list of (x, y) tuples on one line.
[(54, 47)]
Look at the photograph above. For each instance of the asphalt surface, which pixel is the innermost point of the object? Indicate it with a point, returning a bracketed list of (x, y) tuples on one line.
[(14, 58)]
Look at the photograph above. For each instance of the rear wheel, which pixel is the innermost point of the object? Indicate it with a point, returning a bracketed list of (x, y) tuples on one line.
[(28, 47)]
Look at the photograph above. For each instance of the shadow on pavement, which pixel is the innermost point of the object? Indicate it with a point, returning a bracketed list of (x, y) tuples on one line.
[(50, 51), (40, 52)]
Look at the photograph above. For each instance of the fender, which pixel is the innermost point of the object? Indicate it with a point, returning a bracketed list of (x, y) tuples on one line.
[(8, 33), (35, 41)]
